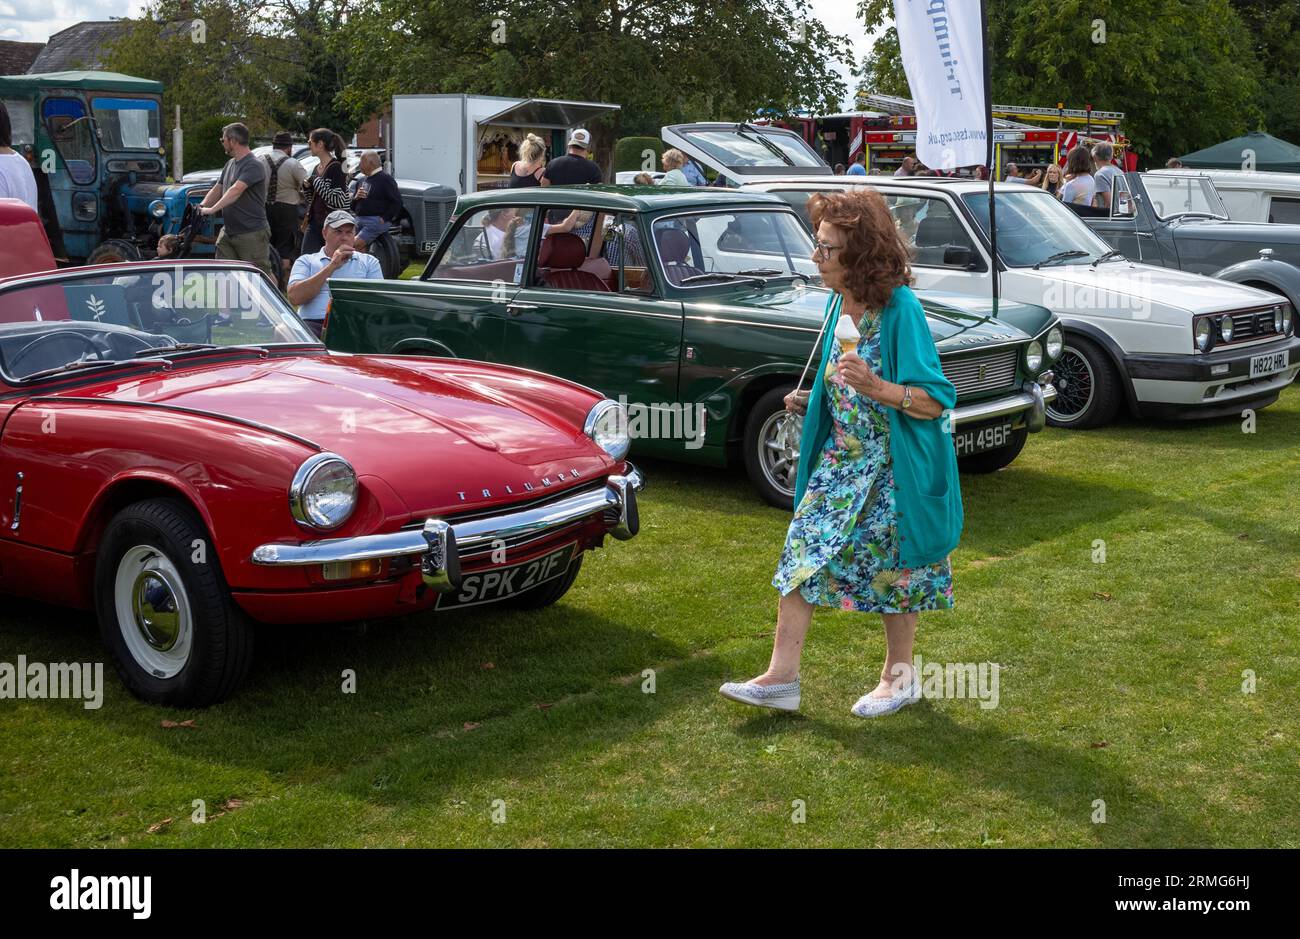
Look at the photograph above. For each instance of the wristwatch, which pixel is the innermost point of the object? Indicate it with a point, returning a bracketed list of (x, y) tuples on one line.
[(907, 397)]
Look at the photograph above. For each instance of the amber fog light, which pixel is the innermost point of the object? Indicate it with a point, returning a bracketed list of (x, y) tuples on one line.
[(351, 570)]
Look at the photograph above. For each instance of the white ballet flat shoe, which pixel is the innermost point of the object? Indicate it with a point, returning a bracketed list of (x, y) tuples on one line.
[(868, 706), (782, 697)]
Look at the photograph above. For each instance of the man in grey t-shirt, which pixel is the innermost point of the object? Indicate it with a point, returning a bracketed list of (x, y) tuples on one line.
[(1105, 174), (240, 197)]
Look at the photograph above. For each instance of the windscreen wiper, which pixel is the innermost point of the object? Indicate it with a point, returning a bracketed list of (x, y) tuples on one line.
[(76, 367), (772, 272), (179, 347), (1061, 256), (1107, 256), (724, 274), (775, 150)]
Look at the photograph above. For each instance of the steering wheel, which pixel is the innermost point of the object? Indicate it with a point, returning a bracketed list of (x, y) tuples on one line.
[(60, 334)]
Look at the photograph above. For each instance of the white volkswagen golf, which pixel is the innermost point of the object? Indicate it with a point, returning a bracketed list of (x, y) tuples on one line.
[(1162, 343)]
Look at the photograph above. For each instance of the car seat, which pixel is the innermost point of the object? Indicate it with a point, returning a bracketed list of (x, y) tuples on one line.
[(560, 261), (675, 249)]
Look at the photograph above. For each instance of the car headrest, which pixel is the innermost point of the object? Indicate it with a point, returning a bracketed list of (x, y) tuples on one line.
[(674, 245), (563, 251), (937, 230)]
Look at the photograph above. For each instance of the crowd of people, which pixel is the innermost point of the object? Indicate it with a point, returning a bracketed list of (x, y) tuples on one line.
[(319, 224)]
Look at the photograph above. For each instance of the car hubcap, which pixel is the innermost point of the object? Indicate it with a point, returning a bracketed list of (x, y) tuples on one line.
[(779, 451), (1075, 384), (153, 611)]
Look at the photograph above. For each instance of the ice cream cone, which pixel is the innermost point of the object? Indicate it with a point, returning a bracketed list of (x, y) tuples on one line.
[(847, 334)]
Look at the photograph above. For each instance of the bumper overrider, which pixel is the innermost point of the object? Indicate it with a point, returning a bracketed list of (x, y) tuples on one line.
[(440, 543), (1031, 400)]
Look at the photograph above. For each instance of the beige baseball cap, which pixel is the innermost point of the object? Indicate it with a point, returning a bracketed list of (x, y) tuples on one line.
[(580, 138), (339, 217)]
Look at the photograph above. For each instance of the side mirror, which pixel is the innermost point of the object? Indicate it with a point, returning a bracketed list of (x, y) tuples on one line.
[(958, 256)]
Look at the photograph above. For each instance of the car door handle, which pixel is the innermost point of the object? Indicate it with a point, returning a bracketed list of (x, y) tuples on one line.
[(513, 308)]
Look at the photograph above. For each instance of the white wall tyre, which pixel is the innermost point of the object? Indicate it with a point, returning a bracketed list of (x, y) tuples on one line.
[(165, 612)]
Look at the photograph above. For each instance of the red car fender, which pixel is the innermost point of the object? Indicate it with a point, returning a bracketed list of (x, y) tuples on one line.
[(82, 462)]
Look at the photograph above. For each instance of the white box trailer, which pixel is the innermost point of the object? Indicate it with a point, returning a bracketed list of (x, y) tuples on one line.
[(468, 142)]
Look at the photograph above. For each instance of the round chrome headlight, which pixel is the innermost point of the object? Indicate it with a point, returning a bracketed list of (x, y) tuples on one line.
[(1204, 333), (1277, 319), (1225, 327), (606, 424), (157, 208), (323, 492), (1055, 342), (1034, 356), (1286, 318)]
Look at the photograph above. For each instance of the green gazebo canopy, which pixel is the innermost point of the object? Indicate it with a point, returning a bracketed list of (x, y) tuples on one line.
[(1270, 155)]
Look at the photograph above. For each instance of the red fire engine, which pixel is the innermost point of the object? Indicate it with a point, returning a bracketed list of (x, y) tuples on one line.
[(886, 129)]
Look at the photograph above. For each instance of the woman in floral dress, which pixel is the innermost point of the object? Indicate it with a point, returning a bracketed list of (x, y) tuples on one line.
[(878, 504)]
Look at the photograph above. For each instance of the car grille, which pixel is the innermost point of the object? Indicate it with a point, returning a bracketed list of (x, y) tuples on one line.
[(1252, 324), (990, 371), (435, 219)]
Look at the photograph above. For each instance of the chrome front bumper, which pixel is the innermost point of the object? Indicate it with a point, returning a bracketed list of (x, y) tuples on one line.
[(1032, 397), (439, 543)]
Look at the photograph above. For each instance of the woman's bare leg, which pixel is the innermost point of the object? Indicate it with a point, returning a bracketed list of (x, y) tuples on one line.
[(900, 631), (793, 616)]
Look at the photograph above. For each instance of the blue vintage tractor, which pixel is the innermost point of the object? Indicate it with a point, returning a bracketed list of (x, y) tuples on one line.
[(95, 138)]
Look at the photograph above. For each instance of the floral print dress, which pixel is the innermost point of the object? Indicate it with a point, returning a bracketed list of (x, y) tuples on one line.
[(842, 546)]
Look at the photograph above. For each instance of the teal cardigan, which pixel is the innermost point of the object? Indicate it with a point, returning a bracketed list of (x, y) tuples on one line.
[(927, 492)]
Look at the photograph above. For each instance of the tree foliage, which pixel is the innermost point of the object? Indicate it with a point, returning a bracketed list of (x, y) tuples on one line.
[(1274, 27), (1185, 74), (662, 61), (272, 62)]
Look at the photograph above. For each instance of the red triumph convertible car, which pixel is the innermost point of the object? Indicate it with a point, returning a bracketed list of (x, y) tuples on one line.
[(180, 455)]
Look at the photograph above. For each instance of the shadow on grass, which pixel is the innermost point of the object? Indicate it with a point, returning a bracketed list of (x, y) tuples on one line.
[(417, 678), (1062, 780)]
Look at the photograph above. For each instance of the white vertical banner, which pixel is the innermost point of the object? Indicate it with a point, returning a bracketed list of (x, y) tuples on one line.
[(942, 45)]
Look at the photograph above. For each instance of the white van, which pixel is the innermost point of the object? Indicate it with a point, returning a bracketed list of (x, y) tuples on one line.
[(1255, 197)]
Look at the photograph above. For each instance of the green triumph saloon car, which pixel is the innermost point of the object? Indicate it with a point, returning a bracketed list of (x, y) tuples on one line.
[(697, 309)]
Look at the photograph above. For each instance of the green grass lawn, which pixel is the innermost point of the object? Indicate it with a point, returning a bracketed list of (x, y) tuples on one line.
[(1121, 681)]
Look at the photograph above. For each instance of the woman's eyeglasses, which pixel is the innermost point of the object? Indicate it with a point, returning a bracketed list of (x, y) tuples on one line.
[(824, 249)]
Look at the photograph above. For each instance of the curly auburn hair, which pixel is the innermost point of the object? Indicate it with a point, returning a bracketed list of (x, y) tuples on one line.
[(874, 257)]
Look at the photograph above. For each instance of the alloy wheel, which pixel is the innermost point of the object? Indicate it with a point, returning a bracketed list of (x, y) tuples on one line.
[(1076, 386), (778, 441)]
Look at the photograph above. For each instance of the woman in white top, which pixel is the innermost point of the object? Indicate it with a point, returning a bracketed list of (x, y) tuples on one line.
[(1079, 184), (673, 160), (16, 178)]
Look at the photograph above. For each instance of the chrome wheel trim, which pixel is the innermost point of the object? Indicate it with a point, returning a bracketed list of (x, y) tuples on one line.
[(1076, 386), (153, 611), (778, 450)]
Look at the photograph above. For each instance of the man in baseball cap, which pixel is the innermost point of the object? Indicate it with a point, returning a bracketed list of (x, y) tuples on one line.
[(573, 169), (309, 283)]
